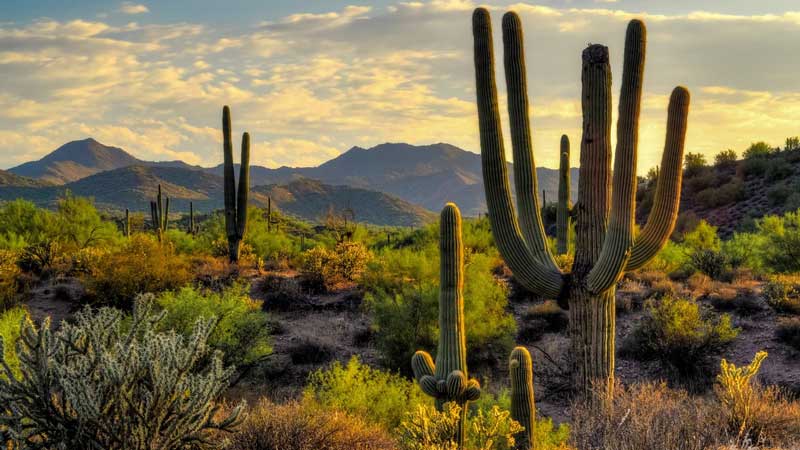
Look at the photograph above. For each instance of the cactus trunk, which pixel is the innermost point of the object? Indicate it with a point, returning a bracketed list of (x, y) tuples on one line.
[(523, 406), (604, 243), (127, 223), (562, 210), (235, 200), (447, 380), (159, 214)]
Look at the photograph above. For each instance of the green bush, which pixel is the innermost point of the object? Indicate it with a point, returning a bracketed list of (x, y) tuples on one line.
[(759, 150), (725, 158), (23, 224), (380, 397), (678, 333), (716, 196), (10, 323), (781, 242), (428, 429), (402, 293), (241, 331), (112, 383), (10, 287), (141, 265), (783, 293), (325, 269)]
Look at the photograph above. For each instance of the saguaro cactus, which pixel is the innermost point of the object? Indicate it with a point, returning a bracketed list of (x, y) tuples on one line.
[(562, 210), (235, 200), (127, 224), (193, 229), (523, 407), (159, 214), (447, 380), (605, 245)]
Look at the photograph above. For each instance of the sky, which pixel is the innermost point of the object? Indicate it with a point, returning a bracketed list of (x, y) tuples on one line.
[(311, 79)]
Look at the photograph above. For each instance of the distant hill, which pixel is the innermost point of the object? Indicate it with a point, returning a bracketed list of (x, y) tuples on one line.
[(732, 195), (79, 159), (427, 175), (10, 179), (133, 187)]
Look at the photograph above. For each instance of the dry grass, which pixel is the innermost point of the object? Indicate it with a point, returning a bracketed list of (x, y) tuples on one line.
[(304, 426), (648, 416)]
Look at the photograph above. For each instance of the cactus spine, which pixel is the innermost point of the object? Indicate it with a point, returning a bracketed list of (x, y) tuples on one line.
[(562, 210), (159, 214), (447, 380), (235, 200), (605, 246), (523, 407)]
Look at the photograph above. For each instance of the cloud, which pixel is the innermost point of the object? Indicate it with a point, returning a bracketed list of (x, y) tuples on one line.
[(310, 85), (133, 8)]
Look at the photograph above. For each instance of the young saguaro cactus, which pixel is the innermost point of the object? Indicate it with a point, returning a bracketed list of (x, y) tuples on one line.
[(127, 224), (562, 210), (523, 407), (605, 244), (447, 380), (159, 214), (235, 200)]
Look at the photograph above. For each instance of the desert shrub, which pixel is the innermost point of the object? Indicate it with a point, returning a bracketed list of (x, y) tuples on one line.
[(381, 397), (788, 332), (241, 330), (429, 429), (402, 291), (780, 242), (79, 225), (324, 269), (693, 163), (744, 250), (10, 286), (725, 158), (216, 273), (311, 350), (10, 326), (778, 195), (778, 169), (141, 265), (680, 335), (743, 301), (756, 414), (299, 426), (716, 196), (39, 258), (550, 314), (671, 258), (711, 263), (783, 294), (107, 382), (648, 416), (23, 224)]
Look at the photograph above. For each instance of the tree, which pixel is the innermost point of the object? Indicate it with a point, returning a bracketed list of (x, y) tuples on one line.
[(792, 143), (758, 149), (725, 158), (694, 163)]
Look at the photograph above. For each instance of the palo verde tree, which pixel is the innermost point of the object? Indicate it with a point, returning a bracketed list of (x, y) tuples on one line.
[(235, 200), (605, 243)]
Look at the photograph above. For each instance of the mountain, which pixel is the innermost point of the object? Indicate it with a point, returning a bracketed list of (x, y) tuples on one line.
[(133, 187), (427, 175), (79, 159)]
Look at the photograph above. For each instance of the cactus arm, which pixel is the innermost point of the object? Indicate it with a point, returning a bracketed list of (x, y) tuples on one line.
[(562, 210), (523, 407), (229, 182), (619, 238), (525, 181), (244, 187), (661, 220), (528, 269), (591, 209), (452, 350), (165, 215)]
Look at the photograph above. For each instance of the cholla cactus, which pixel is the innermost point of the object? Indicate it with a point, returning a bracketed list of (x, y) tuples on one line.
[(107, 383), (159, 214), (605, 244), (235, 200), (447, 380), (736, 392)]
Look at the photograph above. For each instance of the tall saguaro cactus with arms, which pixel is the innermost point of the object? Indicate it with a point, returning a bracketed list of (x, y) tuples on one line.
[(235, 200), (447, 380), (605, 244)]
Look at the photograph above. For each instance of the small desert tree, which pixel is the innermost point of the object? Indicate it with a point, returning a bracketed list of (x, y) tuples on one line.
[(106, 382)]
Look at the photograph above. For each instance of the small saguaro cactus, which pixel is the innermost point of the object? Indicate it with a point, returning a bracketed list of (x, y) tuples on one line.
[(193, 228), (447, 380), (562, 210), (270, 220), (159, 214), (235, 200), (523, 407), (127, 224), (605, 247)]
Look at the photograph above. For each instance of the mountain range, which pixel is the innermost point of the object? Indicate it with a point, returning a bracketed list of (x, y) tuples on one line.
[(390, 184)]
